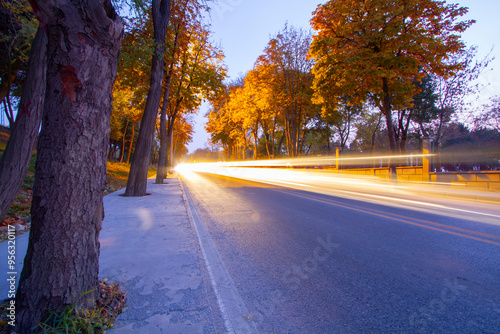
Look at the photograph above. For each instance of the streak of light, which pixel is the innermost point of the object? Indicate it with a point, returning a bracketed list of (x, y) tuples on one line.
[(314, 182), (437, 206), (415, 222), (389, 215), (359, 187), (286, 176), (317, 161)]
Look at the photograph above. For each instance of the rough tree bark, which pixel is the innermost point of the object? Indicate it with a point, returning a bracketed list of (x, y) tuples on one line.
[(62, 261), (15, 160), (137, 180)]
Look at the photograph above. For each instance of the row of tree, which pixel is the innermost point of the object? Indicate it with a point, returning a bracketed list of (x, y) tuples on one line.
[(192, 70), (395, 67), (166, 67), (374, 51), (461, 149)]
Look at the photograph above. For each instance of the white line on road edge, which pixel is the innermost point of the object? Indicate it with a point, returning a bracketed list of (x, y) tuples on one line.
[(230, 303)]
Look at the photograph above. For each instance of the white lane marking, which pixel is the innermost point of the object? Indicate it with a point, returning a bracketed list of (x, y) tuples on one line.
[(230, 302)]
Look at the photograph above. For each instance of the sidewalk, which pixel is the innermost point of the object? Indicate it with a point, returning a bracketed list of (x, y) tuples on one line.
[(148, 245)]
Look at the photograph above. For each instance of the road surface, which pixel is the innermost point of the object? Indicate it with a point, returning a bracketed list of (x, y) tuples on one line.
[(309, 258)]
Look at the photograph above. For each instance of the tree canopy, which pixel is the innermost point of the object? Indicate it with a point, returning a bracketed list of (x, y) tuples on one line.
[(17, 30), (377, 49)]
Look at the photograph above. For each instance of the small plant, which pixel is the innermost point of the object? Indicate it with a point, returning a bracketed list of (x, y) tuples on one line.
[(4, 319), (89, 321), (72, 320), (111, 299), (108, 306)]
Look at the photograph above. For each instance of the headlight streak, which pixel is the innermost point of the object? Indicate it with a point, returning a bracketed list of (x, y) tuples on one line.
[(315, 161), (400, 218), (361, 188), (368, 187)]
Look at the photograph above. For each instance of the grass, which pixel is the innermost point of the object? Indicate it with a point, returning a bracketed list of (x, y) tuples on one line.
[(73, 320), (118, 175)]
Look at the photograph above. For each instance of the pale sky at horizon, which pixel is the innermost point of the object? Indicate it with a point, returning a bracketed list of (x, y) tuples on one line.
[(244, 27)]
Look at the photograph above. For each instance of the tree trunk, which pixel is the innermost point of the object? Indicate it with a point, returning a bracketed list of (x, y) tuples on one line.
[(273, 138), (123, 141), (302, 139), (265, 131), (15, 160), (4, 88), (256, 143), (137, 180), (62, 260), (437, 136), (404, 133), (374, 134), (162, 169), (289, 135), (110, 151), (280, 144), (131, 143), (10, 113), (266, 138), (387, 110), (423, 130), (165, 139), (328, 141)]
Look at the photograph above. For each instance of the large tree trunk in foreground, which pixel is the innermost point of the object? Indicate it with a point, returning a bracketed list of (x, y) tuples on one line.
[(137, 179), (16, 158), (62, 261)]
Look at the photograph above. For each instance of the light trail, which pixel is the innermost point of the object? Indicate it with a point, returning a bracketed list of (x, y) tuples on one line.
[(407, 220), (316, 161), (431, 205), (360, 187), (333, 202)]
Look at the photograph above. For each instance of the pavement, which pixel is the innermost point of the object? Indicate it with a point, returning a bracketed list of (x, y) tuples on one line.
[(149, 247)]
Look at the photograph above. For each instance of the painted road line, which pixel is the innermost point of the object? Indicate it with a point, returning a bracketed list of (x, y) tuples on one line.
[(230, 302)]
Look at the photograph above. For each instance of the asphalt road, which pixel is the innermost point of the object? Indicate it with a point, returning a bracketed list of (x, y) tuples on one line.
[(307, 261)]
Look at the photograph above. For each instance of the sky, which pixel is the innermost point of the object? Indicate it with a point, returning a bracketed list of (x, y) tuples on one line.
[(244, 27)]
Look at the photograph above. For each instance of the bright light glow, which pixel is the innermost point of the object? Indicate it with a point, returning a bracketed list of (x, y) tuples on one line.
[(317, 161), (330, 182)]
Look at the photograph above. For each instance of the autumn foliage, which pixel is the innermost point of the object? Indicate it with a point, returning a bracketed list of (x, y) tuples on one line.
[(272, 102), (370, 69), (193, 71), (363, 56), (380, 48)]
